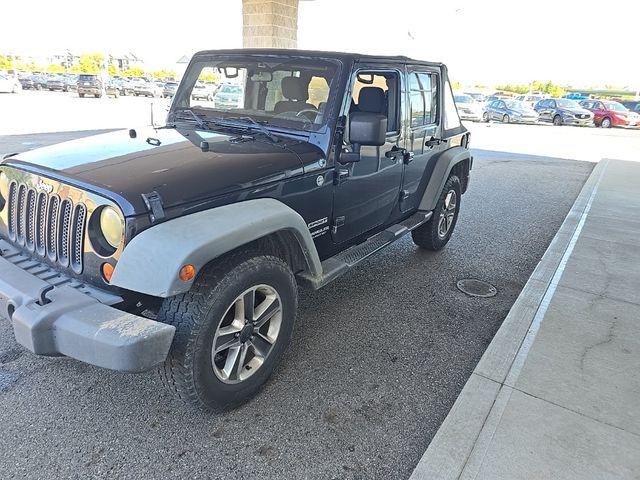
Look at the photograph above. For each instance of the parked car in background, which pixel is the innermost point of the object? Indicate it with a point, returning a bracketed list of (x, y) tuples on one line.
[(478, 97), (147, 88), (468, 108), (27, 83), (203, 91), (229, 96), (56, 83), (39, 81), (111, 89), (510, 111), (9, 84), (169, 89), (607, 114), (71, 82), (530, 98), (89, 85), (576, 96), (633, 105), (124, 85), (563, 111)]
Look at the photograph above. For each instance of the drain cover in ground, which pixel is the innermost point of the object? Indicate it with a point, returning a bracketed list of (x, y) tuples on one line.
[(476, 288)]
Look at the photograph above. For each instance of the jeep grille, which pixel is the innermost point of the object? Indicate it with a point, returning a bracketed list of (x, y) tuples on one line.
[(47, 225)]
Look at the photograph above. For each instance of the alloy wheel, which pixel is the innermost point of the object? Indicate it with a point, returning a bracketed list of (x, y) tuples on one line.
[(447, 213), (246, 334)]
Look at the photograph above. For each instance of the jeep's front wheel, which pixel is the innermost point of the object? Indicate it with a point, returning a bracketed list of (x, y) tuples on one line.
[(232, 329), (435, 234)]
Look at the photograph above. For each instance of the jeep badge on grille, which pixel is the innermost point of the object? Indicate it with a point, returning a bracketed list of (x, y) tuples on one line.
[(44, 187)]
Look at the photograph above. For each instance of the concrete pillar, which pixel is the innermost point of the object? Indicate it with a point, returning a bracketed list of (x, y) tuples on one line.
[(270, 23)]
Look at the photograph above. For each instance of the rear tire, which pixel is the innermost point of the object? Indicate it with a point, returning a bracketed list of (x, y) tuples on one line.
[(81, 95), (435, 234), (506, 119), (215, 312)]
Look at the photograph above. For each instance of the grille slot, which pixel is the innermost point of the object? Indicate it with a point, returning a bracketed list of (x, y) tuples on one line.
[(47, 225)]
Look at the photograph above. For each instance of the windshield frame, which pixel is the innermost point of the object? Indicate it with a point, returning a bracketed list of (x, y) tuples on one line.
[(211, 59)]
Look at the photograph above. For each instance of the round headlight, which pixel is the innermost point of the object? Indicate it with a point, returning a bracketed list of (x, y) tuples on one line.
[(111, 226)]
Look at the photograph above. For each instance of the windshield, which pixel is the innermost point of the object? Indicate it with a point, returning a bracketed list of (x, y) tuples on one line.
[(281, 91), (463, 99), (517, 105), (615, 106), (564, 103)]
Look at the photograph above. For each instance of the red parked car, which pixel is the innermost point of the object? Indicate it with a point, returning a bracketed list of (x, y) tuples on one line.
[(609, 114)]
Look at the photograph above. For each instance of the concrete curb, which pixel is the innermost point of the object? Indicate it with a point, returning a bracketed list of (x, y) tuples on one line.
[(473, 417)]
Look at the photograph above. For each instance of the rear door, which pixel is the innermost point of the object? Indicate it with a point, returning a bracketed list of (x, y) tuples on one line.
[(367, 191), (422, 99)]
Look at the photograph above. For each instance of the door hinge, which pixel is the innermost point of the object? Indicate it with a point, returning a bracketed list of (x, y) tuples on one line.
[(337, 223), (340, 176)]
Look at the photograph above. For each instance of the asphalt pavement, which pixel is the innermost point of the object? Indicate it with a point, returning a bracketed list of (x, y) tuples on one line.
[(377, 360)]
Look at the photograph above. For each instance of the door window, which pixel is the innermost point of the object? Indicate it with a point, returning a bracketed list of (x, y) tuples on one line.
[(378, 91), (422, 98)]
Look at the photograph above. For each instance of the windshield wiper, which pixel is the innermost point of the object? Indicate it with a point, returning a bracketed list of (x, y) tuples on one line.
[(198, 120), (252, 124)]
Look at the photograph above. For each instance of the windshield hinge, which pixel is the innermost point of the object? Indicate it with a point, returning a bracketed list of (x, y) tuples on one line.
[(153, 202)]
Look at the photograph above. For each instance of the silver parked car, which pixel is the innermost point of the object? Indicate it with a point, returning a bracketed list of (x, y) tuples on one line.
[(510, 111), (468, 107)]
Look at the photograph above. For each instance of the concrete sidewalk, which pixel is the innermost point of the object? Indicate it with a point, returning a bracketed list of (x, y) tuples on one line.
[(557, 393)]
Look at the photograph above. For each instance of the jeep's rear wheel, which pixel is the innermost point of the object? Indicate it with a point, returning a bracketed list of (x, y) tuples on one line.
[(232, 329), (435, 234)]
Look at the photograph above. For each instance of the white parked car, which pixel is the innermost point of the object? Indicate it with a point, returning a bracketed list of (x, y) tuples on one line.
[(9, 84), (468, 107)]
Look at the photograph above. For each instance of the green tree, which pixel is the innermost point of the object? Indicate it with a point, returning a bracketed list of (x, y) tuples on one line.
[(133, 72)]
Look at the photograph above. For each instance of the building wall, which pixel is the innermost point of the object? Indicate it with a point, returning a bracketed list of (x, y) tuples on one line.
[(270, 23)]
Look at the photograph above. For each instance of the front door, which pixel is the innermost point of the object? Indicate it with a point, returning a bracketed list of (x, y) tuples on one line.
[(423, 139), (366, 192)]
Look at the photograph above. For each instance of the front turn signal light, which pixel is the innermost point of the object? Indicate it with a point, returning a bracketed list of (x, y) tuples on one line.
[(107, 271), (187, 272)]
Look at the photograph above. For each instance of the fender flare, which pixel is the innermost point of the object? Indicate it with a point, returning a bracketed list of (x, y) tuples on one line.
[(150, 263), (444, 164)]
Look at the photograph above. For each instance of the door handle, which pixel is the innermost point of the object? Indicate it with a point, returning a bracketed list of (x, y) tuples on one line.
[(394, 152), (432, 142)]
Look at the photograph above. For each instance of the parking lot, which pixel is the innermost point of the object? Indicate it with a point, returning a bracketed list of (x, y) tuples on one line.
[(378, 357)]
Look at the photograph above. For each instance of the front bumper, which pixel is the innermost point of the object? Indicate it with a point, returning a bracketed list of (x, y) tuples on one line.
[(90, 90), (56, 321), (580, 122)]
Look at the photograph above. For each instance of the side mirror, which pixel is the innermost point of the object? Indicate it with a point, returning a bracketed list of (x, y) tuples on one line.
[(365, 128)]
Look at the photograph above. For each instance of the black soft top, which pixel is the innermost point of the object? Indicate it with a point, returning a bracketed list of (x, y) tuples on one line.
[(343, 56)]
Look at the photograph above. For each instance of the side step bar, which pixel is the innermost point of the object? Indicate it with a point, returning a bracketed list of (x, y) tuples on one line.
[(338, 265)]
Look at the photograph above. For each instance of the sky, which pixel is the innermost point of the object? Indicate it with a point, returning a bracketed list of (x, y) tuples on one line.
[(482, 41)]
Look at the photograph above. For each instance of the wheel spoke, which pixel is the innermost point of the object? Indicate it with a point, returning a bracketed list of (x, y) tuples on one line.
[(231, 362), (261, 345), (266, 310), (235, 362), (227, 338), (248, 303)]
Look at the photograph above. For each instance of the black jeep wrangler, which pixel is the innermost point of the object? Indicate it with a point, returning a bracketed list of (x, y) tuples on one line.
[(182, 247)]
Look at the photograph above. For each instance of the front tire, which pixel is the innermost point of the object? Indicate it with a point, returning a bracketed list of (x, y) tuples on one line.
[(232, 329), (485, 117), (506, 119), (435, 234), (557, 120), (606, 122)]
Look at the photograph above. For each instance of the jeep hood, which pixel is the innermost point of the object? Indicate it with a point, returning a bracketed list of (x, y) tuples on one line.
[(168, 161)]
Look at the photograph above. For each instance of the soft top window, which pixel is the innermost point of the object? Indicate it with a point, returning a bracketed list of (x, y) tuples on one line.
[(452, 124)]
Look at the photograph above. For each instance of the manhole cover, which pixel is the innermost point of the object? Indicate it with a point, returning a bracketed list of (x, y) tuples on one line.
[(476, 288)]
